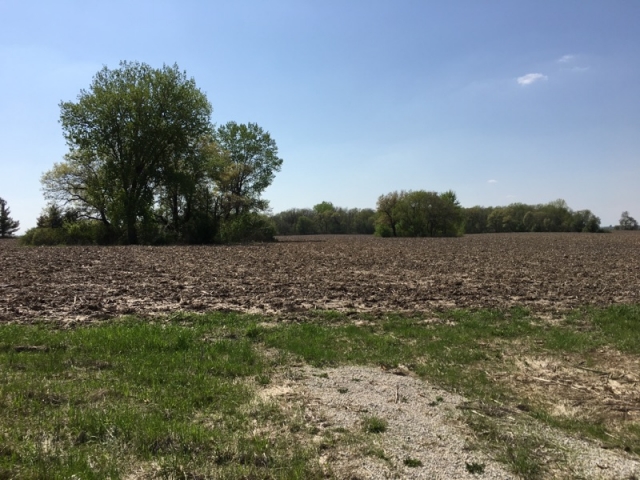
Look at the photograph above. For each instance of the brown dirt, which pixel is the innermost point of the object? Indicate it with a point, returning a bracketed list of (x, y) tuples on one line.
[(545, 272), (609, 391)]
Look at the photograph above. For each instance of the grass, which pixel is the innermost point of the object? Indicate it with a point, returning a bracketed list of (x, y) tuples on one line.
[(178, 395), (96, 401), (412, 462), (374, 424)]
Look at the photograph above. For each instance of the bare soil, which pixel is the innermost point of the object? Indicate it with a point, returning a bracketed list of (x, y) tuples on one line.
[(545, 272)]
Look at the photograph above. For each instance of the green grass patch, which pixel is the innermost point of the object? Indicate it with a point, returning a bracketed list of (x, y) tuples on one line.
[(374, 424), (97, 401), (101, 401)]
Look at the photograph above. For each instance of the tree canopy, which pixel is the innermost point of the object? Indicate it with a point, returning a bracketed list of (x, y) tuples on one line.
[(325, 218), (145, 162), (252, 163), (627, 222), (8, 226), (554, 216), (419, 214)]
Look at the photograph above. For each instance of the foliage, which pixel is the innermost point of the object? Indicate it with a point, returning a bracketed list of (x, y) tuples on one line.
[(8, 226), (325, 218), (123, 135), (386, 219), (53, 216), (250, 227), (627, 222), (81, 232), (555, 216), (252, 161), (145, 161), (419, 214)]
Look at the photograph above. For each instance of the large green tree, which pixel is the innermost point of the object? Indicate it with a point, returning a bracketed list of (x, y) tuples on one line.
[(387, 212), (250, 162), (8, 226), (130, 132), (419, 214)]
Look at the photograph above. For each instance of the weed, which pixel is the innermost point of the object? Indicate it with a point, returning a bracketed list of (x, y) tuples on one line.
[(475, 468), (374, 424), (412, 462), (377, 452)]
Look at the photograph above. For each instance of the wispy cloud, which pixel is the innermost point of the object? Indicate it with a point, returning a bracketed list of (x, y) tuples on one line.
[(569, 63), (566, 58), (579, 69), (530, 78), (492, 181)]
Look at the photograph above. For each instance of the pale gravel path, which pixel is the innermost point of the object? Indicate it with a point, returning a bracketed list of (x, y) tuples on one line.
[(423, 424)]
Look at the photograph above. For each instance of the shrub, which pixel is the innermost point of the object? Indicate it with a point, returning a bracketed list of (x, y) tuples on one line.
[(383, 230), (250, 227), (79, 233), (374, 425), (44, 236), (83, 232)]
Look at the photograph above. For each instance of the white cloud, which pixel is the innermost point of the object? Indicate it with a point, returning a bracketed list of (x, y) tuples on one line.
[(530, 78), (579, 69), (566, 58), (492, 181)]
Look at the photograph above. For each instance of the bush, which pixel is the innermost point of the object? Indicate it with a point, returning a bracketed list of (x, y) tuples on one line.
[(80, 233), (383, 230), (83, 232), (249, 227), (43, 236)]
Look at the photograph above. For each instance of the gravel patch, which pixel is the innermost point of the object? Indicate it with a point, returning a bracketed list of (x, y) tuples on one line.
[(425, 436)]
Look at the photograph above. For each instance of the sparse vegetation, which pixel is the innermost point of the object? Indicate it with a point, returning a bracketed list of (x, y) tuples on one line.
[(475, 468), (412, 462), (374, 425)]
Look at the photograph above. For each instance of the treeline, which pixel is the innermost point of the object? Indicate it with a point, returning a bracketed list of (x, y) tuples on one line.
[(555, 216), (325, 218), (432, 214)]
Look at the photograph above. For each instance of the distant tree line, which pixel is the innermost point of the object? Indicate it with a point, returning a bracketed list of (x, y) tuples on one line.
[(555, 216), (325, 218), (431, 214), (145, 165)]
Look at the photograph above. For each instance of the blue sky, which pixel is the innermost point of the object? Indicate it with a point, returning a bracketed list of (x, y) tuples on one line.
[(501, 101)]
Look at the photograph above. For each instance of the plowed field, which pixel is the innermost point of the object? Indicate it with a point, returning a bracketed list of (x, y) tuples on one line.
[(544, 272)]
